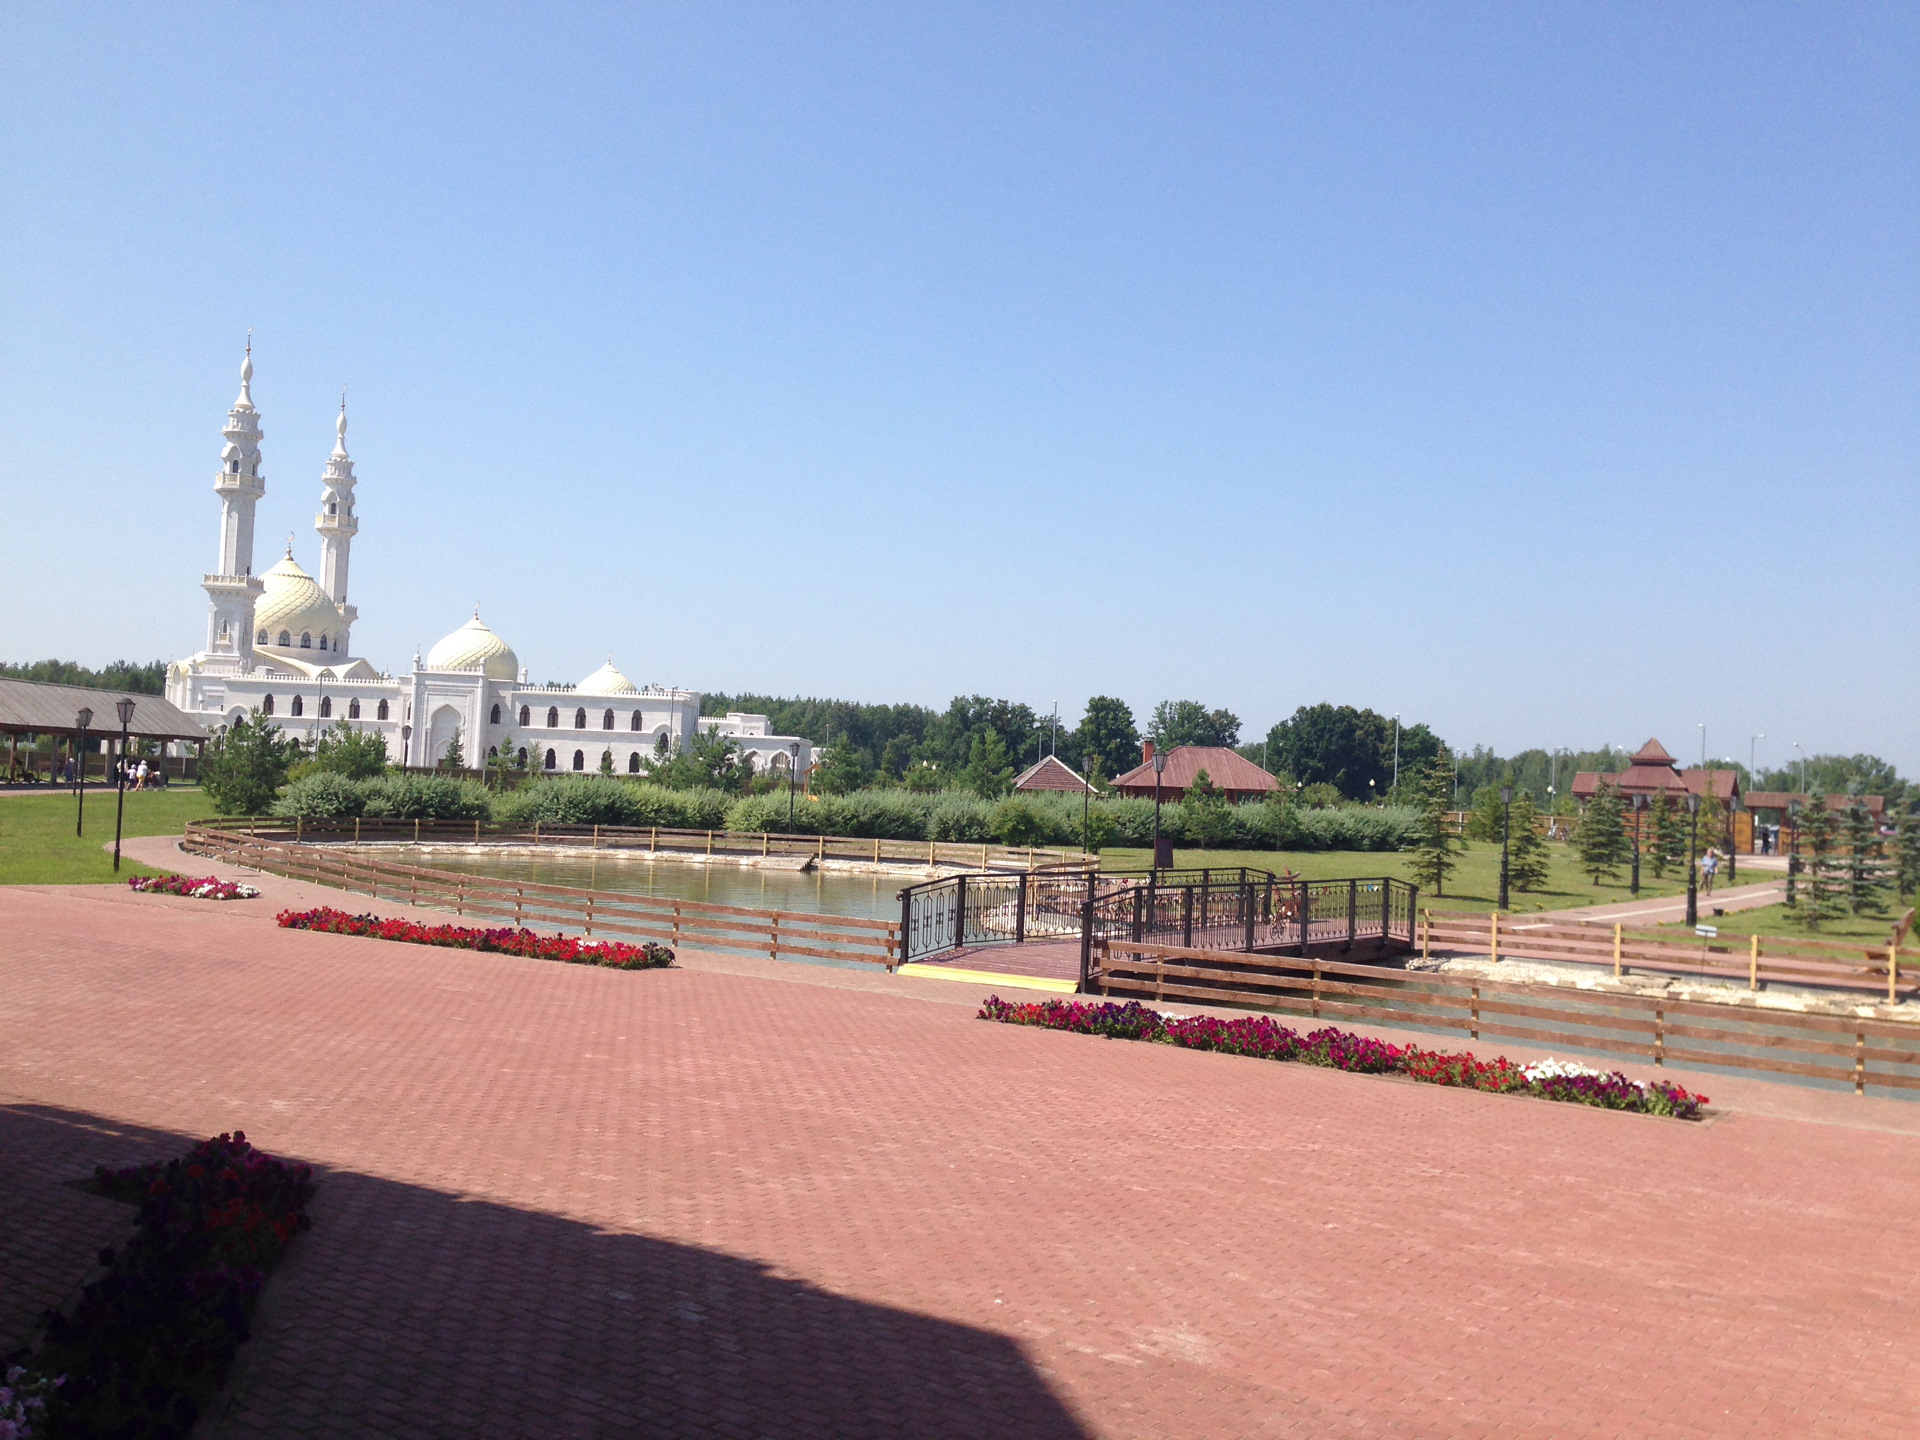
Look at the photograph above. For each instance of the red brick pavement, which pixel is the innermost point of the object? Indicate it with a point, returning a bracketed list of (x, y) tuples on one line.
[(762, 1201)]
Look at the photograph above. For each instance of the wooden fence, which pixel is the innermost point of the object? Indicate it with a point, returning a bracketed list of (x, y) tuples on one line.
[(773, 933), (1839, 1048), (1755, 959), (653, 839)]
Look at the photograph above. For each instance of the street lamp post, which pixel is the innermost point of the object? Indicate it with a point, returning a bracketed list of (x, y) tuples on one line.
[(83, 719), (793, 771), (1793, 848), (1803, 767), (1693, 842), (1396, 752), (1159, 769), (1639, 808), (1086, 805), (125, 709), (1506, 828)]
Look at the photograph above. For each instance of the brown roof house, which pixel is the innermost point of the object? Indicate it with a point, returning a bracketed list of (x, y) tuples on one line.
[(1051, 773), (1651, 769), (1232, 774)]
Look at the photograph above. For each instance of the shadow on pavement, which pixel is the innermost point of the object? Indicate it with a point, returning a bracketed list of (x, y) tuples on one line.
[(409, 1311)]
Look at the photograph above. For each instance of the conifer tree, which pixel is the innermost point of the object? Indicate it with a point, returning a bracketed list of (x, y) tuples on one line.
[(1823, 893), (1906, 851), (1669, 847), (606, 762), (1866, 869), (455, 758), (1601, 840), (1434, 843), (1528, 855)]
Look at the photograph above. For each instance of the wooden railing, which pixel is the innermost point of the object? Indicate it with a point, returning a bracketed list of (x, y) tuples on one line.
[(1840, 1048), (1755, 959), (654, 839), (773, 933)]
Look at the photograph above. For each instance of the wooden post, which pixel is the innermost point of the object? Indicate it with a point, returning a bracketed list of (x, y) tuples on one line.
[(1753, 962), (876, 850), (356, 829), (1659, 1036), (1893, 969), (983, 857), (296, 829), (596, 837), (476, 829), (676, 924), (653, 839), (1316, 989), (821, 853), (763, 844), (416, 831), (1426, 935), (1159, 975), (1493, 939), (519, 900), (589, 912), (1474, 1028), (773, 937), (1860, 1060), (709, 844), (933, 853), (1616, 949)]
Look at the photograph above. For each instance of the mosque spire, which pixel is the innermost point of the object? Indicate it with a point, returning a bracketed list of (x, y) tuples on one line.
[(336, 521), (232, 587)]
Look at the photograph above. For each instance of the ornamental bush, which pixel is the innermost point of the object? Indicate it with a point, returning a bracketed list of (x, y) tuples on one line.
[(425, 797), (1266, 1038), (322, 796)]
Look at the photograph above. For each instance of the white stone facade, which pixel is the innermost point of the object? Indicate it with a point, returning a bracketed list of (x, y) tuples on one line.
[(281, 643)]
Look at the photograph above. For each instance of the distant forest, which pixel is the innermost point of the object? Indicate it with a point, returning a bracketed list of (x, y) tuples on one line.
[(147, 679)]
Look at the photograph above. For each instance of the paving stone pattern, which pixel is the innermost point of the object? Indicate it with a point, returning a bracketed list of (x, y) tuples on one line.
[(742, 1201)]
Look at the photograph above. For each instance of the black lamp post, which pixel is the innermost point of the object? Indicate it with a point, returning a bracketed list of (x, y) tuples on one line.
[(1159, 769), (793, 771), (1793, 847), (125, 707), (83, 719), (1639, 808), (1693, 842), (1506, 828), (1086, 806)]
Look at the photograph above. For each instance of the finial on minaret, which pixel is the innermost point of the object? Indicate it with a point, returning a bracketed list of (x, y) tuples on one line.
[(289, 544), (246, 374), (340, 425)]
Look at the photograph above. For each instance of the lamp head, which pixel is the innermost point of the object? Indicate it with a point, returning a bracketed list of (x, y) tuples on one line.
[(1506, 794), (1639, 802), (125, 707), (1693, 804), (1159, 762), (85, 717)]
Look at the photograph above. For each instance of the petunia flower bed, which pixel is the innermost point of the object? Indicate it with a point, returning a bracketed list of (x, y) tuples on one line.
[(1267, 1039), (150, 1342), (614, 954), (209, 888)]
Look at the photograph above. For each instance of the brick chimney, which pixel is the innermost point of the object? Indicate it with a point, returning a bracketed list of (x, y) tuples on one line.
[(1146, 752)]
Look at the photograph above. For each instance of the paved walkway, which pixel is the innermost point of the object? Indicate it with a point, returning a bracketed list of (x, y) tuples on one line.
[(746, 1198), (1666, 909)]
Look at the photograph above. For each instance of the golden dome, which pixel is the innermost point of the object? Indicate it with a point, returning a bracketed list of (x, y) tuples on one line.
[(293, 604), (607, 681), (474, 645)]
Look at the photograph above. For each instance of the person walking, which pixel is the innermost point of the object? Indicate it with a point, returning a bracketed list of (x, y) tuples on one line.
[(1709, 867)]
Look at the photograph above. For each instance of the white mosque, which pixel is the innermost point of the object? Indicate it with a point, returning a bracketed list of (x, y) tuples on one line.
[(282, 643)]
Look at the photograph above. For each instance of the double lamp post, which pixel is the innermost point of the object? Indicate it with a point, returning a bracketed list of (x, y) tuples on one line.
[(124, 708)]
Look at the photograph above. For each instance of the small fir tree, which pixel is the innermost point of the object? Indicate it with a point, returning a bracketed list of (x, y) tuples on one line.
[(1823, 884), (500, 761), (989, 774), (1487, 815), (1434, 843), (1601, 839), (1529, 858), (243, 769), (455, 758), (606, 762), (1669, 843), (1207, 817), (1906, 852), (1866, 867)]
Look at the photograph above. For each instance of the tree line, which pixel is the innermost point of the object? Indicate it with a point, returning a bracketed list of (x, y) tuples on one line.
[(147, 679)]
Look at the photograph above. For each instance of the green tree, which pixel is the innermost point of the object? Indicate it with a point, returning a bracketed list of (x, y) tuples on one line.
[(1669, 848), (1344, 747), (1208, 819), (1106, 737), (1906, 850), (1866, 867), (147, 679), (1434, 843), (455, 758), (606, 762), (1188, 722), (1487, 815), (1529, 859), (1601, 839), (988, 774), (243, 769), (841, 770), (356, 754), (502, 760), (1823, 883)]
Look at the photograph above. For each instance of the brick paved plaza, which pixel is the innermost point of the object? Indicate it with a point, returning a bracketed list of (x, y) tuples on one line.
[(746, 1199)]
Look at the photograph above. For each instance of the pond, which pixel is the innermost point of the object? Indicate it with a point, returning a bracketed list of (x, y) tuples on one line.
[(817, 892)]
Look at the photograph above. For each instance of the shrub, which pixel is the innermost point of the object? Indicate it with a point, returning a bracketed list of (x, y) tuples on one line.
[(1017, 820), (764, 814), (574, 800), (959, 817), (876, 815), (322, 796)]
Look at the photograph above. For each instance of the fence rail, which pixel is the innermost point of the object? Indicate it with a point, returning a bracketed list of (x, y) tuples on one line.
[(1756, 959), (1845, 1049), (660, 839), (774, 933)]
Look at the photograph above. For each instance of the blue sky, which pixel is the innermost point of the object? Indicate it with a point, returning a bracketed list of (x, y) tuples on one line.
[(1546, 374)]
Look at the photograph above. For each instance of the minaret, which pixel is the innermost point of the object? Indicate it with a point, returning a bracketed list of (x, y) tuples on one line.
[(233, 588), (337, 524)]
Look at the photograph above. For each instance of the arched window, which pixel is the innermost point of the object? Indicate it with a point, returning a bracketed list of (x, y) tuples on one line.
[(353, 709), (306, 640), (496, 716), (266, 706), (634, 724), (261, 638), (285, 639), (553, 720), (580, 718), (381, 713), (579, 759), (326, 707), (233, 467), (523, 757), (525, 717), (606, 721), (323, 641), (633, 763), (299, 706), (493, 752), (550, 760)]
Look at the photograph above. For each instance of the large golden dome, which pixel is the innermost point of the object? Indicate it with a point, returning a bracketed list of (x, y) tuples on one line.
[(474, 645), (293, 605)]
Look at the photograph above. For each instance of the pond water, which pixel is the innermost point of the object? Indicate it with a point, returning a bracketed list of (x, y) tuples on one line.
[(816, 892)]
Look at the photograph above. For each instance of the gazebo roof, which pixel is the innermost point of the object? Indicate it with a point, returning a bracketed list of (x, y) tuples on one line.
[(1052, 773), (1227, 769), (30, 707)]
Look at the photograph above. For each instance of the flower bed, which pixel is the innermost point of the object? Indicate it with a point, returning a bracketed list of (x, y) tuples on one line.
[(208, 888), (1266, 1038), (613, 954), (151, 1341)]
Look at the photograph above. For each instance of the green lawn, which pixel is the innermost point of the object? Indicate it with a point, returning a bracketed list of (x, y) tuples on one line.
[(38, 846), (1779, 920), (1475, 885)]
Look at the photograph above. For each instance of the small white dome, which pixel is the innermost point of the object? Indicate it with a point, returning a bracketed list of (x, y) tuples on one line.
[(473, 644), (607, 681)]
